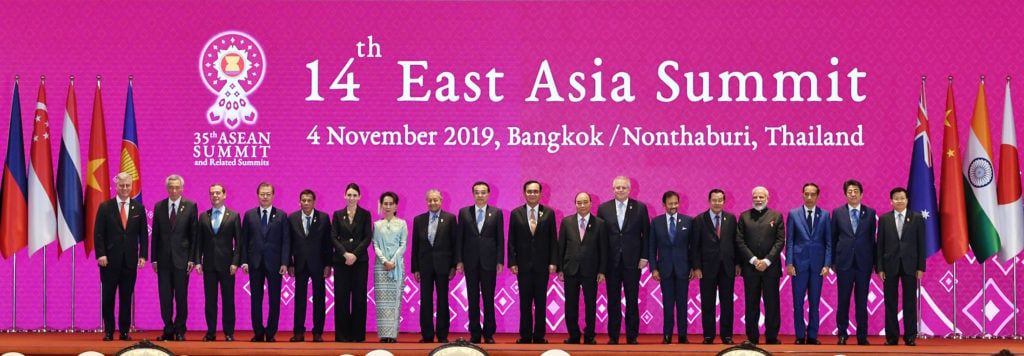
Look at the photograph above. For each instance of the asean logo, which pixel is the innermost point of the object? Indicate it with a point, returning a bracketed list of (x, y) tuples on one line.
[(232, 66)]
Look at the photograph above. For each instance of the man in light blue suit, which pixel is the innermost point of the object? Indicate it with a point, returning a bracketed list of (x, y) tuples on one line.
[(808, 257), (670, 254)]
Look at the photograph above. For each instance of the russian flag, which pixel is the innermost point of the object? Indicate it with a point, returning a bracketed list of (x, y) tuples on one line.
[(14, 201), (130, 147), (69, 178)]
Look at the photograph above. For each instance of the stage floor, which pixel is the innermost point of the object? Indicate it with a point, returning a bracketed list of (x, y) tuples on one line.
[(30, 343)]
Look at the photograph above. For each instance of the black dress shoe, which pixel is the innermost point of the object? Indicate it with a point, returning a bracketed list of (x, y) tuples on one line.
[(613, 341), (257, 338), (271, 339), (524, 340), (774, 342), (631, 341), (125, 336), (910, 342), (442, 340), (209, 337), (179, 337), (426, 341), (842, 339), (799, 341), (709, 341), (297, 338), (317, 337), (571, 341), (488, 340), (891, 343), (590, 341), (684, 340), (813, 341), (229, 337), (108, 337), (474, 339), (540, 341), (863, 342), (727, 340), (165, 337), (666, 339)]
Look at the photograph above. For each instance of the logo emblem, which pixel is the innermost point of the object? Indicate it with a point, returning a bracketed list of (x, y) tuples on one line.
[(232, 66), (980, 172)]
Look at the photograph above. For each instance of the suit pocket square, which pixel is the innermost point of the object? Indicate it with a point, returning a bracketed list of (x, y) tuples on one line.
[(134, 216)]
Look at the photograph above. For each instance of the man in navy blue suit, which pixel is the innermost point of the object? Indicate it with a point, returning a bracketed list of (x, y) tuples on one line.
[(266, 253), (808, 255), (480, 255), (853, 259), (627, 225), (670, 255)]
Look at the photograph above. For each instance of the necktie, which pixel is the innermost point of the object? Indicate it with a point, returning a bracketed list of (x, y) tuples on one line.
[(854, 219), (264, 221), (718, 225), (432, 229), (899, 225), (124, 215), (216, 221), (174, 213), (307, 224), (621, 214), (533, 220), (672, 229), (810, 221), (480, 220), (583, 228)]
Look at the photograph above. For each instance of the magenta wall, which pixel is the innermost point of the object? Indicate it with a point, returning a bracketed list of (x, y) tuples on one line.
[(891, 44)]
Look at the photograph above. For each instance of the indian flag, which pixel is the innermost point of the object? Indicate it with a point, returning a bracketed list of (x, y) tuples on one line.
[(982, 205)]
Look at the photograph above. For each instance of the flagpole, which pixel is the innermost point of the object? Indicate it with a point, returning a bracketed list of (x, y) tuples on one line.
[(101, 325), (71, 329), (14, 287), (955, 335), (918, 306), (131, 78), (1015, 336), (44, 328), (984, 300)]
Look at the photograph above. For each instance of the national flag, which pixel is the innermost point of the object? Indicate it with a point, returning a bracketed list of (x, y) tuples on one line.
[(952, 214), (1011, 207), (97, 175), (42, 202), (69, 178), (14, 191), (130, 148), (921, 184), (979, 173)]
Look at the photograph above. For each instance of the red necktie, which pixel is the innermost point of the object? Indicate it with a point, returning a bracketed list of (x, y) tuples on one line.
[(124, 215)]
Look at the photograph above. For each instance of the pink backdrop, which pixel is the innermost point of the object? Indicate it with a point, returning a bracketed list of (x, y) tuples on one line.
[(892, 44)]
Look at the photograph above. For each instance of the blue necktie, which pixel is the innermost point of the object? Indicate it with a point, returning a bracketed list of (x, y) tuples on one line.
[(307, 224), (621, 214), (480, 220), (672, 229), (264, 220), (810, 221), (854, 218), (216, 221)]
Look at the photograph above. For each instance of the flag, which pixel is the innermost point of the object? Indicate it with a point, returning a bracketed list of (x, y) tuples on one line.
[(130, 148), (921, 184), (69, 178), (1011, 207), (97, 176), (979, 173), (14, 201), (952, 214), (42, 203)]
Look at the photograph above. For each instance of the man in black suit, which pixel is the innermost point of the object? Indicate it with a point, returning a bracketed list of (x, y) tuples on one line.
[(671, 253), (582, 250), (480, 255), (121, 245), (901, 255), (714, 237), (853, 256), (433, 265), (532, 255), (267, 248), (175, 229), (628, 224), (219, 241), (310, 263), (760, 236)]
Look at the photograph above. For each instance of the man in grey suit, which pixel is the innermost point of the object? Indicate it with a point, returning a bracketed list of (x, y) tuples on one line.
[(901, 258), (583, 247), (312, 250), (219, 241), (808, 255), (267, 248), (671, 253), (628, 223), (760, 237), (532, 255), (433, 265), (175, 229), (480, 255)]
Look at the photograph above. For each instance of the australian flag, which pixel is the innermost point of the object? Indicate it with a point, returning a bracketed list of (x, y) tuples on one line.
[(921, 185)]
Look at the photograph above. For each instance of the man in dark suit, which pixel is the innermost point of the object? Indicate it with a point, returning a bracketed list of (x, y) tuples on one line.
[(310, 263), (760, 236), (671, 253), (433, 265), (266, 253), (628, 224), (714, 237), (901, 256), (853, 258), (219, 241), (532, 255), (121, 246), (808, 256), (583, 250), (480, 255), (175, 229)]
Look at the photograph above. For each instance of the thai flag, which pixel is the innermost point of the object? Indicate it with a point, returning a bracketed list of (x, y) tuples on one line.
[(69, 178)]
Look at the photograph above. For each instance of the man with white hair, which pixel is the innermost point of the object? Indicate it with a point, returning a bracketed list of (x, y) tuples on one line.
[(760, 237), (175, 228), (122, 242)]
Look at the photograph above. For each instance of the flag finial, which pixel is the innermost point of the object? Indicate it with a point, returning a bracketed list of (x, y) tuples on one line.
[(42, 78), (16, 77), (130, 79), (72, 79), (951, 79), (923, 78), (1007, 78), (97, 80), (982, 79)]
